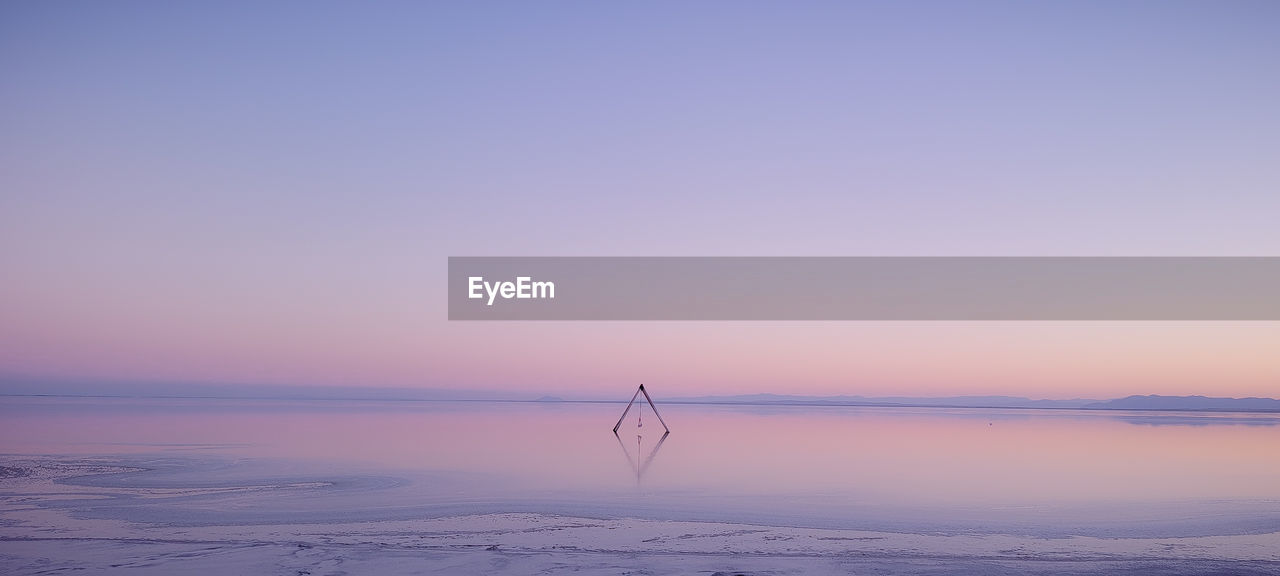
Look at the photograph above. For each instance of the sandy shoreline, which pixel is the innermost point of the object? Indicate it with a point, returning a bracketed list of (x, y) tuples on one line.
[(47, 526)]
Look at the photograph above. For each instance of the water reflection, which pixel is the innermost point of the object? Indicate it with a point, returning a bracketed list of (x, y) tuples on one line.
[(637, 465), (1157, 419), (833, 460)]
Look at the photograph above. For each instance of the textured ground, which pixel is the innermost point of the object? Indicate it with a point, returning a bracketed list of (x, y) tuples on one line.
[(68, 515)]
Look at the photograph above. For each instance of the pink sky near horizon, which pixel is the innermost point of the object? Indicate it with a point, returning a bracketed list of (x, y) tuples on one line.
[(1033, 359)]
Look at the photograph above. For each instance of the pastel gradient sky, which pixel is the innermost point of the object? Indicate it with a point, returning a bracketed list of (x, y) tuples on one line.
[(250, 192)]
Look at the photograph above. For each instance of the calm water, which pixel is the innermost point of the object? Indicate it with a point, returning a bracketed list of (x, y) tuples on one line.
[(1034, 471)]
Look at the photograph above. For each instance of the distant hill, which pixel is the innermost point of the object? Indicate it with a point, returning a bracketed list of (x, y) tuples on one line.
[(1204, 403)]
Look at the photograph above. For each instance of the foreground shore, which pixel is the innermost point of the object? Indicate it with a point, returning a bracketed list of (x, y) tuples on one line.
[(50, 523)]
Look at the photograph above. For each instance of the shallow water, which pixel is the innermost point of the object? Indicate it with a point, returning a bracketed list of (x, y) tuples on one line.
[(1035, 472)]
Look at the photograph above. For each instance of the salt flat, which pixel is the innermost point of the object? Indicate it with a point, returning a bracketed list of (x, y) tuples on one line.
[(76, 515)]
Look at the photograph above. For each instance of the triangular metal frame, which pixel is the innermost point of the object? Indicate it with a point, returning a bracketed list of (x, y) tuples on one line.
[(640, 391)]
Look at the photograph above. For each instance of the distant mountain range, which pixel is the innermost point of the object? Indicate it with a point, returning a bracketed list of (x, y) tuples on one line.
[(1204, 403)]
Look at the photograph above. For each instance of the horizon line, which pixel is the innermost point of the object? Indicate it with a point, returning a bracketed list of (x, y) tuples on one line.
[(787, 401)]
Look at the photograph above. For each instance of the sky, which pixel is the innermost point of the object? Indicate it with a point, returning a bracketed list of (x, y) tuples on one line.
[(247, 192)]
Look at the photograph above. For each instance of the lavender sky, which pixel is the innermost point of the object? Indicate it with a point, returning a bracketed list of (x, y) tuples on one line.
[(268, 192)]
